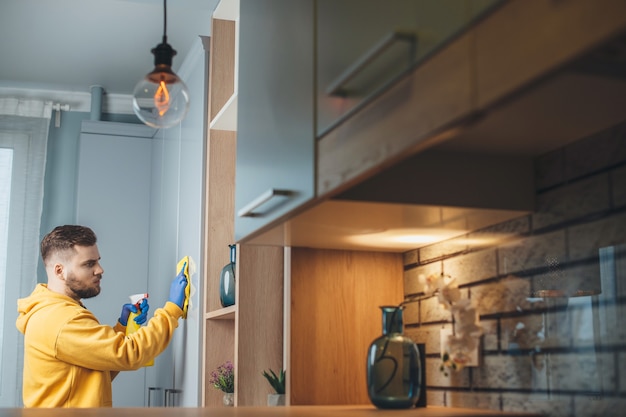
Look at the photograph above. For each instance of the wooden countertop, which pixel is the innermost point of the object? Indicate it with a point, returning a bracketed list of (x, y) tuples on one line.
[(293, 411)]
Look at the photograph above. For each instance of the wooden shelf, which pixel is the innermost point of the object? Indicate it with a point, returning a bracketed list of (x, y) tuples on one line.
[(226, 313), (224, 66), (226, 118), (227, 10), (223, 75)]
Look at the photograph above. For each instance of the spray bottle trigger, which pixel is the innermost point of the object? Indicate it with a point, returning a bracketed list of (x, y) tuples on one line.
[(136, 299)]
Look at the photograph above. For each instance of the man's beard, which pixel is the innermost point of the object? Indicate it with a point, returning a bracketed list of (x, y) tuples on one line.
[(79, 288)]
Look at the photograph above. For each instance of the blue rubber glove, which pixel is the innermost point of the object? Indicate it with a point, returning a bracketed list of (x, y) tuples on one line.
[(143, 316), (177, 288), (126, 310), (131, 308)]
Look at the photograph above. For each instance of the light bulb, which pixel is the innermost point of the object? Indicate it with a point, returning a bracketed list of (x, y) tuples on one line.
[(161, 98), (160, 103)]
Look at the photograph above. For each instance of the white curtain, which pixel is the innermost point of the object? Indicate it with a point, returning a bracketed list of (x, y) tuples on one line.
[(24, 128)]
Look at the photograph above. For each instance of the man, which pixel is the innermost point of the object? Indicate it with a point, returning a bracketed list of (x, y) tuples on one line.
[(70, 358)]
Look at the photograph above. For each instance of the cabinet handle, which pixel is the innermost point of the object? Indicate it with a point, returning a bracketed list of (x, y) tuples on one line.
[(336, 88), (247, 211)]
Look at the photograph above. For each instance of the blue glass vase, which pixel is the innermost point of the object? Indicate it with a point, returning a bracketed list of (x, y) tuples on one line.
[(227, 280), (393, 365)]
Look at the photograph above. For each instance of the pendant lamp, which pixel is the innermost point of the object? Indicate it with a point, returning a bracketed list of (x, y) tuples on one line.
[(161, 98)]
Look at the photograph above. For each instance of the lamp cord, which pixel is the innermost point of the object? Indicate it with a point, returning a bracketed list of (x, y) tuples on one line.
[(164, 21)]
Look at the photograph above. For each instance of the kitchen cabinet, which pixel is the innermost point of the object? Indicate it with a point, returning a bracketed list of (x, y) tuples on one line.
[(275, 132), (510, 54), (363, 47), (314, 75), (468, 92), (249, 333), (460, 127), (502, 87)]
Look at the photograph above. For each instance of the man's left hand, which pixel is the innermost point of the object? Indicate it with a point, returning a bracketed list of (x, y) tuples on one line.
[(141, 318)]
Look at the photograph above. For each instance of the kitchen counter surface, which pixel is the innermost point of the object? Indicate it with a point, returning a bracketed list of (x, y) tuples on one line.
[(294, 411)]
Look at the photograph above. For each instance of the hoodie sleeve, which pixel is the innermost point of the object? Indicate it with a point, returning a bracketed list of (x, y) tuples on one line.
[(84, 342)]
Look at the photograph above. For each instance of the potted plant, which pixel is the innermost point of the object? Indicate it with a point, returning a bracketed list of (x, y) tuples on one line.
[(223, 379), (278, 384)]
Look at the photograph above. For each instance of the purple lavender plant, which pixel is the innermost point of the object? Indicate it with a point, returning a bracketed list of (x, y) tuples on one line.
[(223, 378)]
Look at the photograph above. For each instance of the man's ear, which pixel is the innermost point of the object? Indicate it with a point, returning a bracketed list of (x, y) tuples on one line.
[(59, 271)]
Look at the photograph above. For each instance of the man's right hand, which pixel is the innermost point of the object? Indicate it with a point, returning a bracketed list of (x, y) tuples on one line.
[(177, 289)]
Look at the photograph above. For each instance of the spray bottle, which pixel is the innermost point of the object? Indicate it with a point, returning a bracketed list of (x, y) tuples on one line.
[(132, 326)]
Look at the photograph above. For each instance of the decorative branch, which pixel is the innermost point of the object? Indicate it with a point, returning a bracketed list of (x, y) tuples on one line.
[(467, 330)]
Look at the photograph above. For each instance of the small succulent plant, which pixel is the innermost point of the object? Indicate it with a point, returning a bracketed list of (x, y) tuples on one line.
[(276, 381)]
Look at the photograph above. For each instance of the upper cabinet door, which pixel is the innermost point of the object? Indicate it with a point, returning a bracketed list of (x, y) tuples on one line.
[(364, 46), (275, 136)]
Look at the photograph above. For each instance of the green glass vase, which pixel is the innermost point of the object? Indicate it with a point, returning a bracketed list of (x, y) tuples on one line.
[(393, 365), (227, 280)]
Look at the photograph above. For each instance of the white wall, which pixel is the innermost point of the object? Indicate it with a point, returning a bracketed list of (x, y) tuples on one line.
[(176, 229), (144, 199)]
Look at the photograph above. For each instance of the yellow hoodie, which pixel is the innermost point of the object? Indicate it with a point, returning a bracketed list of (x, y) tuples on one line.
[(70, 358)]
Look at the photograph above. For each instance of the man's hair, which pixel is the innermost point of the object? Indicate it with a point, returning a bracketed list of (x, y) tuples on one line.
[(63, 238)]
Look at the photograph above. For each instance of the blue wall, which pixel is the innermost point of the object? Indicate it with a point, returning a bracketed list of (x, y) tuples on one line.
[(59, 202)]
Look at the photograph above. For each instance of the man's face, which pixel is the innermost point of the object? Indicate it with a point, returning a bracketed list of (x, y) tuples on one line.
[(83, 273)]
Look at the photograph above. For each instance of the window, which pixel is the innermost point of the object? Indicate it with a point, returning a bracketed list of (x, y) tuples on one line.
[(6, 163), (23, 142)]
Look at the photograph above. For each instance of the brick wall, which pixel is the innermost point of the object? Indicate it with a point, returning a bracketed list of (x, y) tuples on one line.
[(561, 356)]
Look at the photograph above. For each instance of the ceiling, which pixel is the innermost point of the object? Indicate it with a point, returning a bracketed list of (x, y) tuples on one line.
[(59, 49)]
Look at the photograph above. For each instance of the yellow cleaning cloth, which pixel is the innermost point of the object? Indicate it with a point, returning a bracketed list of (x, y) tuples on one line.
[(185, 262)]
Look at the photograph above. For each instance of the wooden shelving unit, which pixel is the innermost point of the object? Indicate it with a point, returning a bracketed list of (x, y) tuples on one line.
[(219, 323), (249, 333)]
